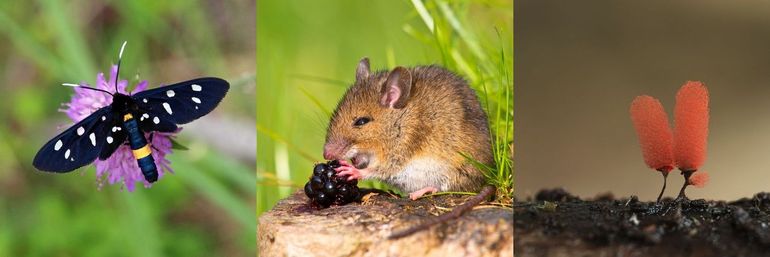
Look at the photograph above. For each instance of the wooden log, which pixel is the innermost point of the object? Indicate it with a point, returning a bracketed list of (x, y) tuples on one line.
[(294, 228)]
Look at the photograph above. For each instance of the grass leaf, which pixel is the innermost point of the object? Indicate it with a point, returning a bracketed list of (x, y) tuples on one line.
[(68, 34), (217, 193), (327, 113), (177, 146)]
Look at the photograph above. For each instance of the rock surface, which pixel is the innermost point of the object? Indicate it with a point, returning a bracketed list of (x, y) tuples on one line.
[(294, 228)]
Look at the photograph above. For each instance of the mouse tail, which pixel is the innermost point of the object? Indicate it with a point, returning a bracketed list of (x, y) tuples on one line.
[(455, 213)]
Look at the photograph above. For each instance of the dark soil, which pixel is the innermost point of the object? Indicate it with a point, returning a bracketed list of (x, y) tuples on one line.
[(633, 228)]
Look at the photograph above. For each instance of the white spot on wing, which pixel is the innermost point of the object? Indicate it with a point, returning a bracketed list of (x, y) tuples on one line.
[(104, 118), (196, 100), (156, 120), (144, 100), (168, 108), (93, 138), (196, 87), (81, 130), (170, 93), (144, 116), (109, 140), (67, 154), (58, 145)]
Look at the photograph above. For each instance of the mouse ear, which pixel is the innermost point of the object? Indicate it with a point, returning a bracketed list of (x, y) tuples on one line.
[(362, 71), (396, 90)]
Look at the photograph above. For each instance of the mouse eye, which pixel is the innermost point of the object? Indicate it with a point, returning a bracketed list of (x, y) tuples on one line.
[(361, 121)]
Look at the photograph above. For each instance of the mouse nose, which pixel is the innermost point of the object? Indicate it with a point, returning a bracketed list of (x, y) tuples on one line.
[(329, 152), (334, 150)]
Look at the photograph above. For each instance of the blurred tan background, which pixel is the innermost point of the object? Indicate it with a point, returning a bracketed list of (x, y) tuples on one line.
[(579, 64)]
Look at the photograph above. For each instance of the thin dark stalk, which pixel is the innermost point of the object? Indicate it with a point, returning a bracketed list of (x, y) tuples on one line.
[(686, 174), (665, 178)]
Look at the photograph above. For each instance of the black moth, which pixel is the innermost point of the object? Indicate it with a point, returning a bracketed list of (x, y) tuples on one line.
[(125, 121)]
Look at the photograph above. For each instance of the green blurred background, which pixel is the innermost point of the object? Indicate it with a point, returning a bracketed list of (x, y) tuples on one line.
[(307, 52), (206, 208)]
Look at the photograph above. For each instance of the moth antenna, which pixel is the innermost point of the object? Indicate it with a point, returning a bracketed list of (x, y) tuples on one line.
[(120, 55), (91, 88), (117, 73)]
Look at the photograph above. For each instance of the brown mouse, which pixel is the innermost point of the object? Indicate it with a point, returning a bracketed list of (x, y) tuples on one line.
[(408, 127)]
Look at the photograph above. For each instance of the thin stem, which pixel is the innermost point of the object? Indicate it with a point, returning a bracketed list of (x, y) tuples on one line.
[(665, 178), (686, 174)]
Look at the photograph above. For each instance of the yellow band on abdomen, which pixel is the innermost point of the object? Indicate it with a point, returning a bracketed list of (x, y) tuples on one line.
[(128, 116), (142, 152)]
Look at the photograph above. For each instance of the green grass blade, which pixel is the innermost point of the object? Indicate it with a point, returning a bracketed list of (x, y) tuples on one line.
[(464, 34), (321, 79), (216, 193), (278, 138), (411, 31), (327, 113), (140, 225), (231, 170), (73, 45), (24, 42), (424, 15)]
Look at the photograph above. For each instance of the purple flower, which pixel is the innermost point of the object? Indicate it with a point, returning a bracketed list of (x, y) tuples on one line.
[(121, 166)]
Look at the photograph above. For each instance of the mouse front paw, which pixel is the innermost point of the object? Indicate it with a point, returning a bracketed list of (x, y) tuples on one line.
[(417, 194), (345, 169)]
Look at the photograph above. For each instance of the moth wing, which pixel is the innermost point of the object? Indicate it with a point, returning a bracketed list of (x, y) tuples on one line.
[(155, 121), (114, 137), (182, 102), (77, 146)]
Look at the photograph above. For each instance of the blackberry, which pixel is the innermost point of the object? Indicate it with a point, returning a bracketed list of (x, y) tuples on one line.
[(333, 164), (326, 188)]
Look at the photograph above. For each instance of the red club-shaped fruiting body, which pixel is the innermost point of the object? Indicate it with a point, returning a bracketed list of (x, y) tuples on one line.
[(691, 118), (699, 179), (654, 132)]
